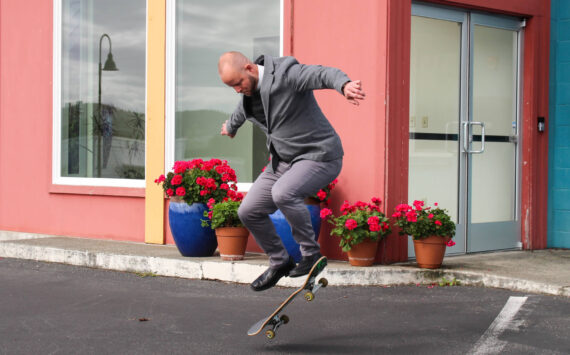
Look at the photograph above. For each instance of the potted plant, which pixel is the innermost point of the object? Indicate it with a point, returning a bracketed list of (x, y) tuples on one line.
[(232, 236), (359, 227), (313, 204), (431, 229), (189, 187)]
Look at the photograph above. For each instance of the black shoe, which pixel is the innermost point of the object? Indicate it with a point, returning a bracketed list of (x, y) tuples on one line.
[(272, 275), (305, 265)]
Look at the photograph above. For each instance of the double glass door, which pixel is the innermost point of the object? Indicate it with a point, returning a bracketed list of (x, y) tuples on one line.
[(464, 123)]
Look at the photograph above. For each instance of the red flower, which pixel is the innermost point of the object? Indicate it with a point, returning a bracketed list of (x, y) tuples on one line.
[(321, 195), (211, 203), (176, 180), (160, 179), (224, 186), (377, 201), (203, 192), (325, 212), (418, 205), (430, 216), (210, 213), (438, 223), (374, 227), (373, 220), (412, 216), (170, 192), (450, 243), (181, 191), (350, 224)]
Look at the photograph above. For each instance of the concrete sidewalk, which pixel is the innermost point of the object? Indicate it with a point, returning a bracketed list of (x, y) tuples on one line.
[(542, 271)]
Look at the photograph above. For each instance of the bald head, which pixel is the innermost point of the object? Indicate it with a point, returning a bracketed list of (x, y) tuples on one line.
[(233, 60), (237, 71)]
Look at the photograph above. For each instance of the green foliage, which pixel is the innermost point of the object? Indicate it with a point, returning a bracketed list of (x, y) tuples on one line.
[(223, 214), (445, 282), (420, 222), (358, 222)]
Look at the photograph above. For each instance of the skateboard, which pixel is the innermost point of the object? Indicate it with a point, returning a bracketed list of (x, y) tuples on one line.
[(275, 320)]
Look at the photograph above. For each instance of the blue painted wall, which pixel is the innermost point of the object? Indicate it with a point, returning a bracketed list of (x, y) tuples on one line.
[(559, 127)]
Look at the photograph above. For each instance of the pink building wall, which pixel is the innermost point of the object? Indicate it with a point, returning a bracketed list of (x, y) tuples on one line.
[(28, 201)]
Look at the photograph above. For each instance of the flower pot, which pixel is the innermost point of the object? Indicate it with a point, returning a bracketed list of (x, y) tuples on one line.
[(430, 251), (232, 242), (186, 226), (363, 254), (284, 229)]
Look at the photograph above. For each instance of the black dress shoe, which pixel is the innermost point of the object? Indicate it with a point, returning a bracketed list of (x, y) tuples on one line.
[(272, 275), (305, 265)]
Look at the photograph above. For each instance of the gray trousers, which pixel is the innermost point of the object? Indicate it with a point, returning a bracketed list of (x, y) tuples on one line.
[(286, 189)]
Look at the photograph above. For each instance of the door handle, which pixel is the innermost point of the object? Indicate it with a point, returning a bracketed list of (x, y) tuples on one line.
[(468, 137)]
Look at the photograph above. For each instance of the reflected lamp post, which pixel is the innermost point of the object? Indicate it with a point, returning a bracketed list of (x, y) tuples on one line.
[(109, 66)]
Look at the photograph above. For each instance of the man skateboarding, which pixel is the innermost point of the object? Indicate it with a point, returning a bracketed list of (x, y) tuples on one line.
[(306, 152)]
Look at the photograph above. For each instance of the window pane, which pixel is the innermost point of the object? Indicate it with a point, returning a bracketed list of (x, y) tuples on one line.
[(434, 112), (205, 30), (103, 88)]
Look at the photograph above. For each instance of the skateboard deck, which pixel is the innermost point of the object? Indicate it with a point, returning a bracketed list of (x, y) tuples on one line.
[(275, 320)]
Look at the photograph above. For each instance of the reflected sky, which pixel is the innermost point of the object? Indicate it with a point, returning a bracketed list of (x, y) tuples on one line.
[(205, 30), (84, 21)]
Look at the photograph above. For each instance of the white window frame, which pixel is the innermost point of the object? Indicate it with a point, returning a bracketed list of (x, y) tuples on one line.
[(57, 179), (170, 95)]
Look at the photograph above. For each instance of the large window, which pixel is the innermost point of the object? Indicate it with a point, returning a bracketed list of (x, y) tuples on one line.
[(204, 30), (99, 78)]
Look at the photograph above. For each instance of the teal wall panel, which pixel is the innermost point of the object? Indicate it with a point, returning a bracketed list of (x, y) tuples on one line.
[(559, 127)]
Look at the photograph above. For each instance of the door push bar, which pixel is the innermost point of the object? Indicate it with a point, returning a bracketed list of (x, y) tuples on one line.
[(468, 137)]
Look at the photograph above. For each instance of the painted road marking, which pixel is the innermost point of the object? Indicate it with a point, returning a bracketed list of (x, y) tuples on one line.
[(489, 342)]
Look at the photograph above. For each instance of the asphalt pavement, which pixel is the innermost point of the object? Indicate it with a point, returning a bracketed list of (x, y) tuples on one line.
[(51, 308), (541, 271)]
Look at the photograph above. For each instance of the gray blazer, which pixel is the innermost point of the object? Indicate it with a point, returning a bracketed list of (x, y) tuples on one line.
[(296, 126)]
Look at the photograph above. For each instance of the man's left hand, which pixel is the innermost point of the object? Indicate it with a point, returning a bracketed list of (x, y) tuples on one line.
[(353, 92)]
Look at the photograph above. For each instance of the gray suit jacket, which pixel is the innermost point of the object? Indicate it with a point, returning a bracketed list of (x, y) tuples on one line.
[(295, 125)]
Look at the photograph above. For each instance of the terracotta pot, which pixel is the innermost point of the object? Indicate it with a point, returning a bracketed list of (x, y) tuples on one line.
[(363, 254), (232, 242), (430, 251)]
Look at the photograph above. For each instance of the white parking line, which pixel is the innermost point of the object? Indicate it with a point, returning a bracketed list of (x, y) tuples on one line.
[(489, 342)]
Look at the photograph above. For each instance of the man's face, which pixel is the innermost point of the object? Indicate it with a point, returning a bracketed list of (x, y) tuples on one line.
[(242, 81)]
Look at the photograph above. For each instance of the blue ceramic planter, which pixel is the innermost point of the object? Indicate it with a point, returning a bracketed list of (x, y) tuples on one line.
[(284, 229), (186, 226)]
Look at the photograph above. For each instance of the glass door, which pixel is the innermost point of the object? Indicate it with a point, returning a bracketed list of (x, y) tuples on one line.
[(464, 109), (490, 136)]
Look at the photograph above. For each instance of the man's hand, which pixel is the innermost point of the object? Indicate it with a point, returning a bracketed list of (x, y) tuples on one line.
[(224, 131), (353, 92)]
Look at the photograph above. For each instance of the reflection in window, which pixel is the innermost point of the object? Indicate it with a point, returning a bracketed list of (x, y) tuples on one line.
[(103, 88), (205, 30)]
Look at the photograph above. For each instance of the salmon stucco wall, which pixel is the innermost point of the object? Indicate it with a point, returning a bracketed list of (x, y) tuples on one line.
[(28, 200), (352, 38)]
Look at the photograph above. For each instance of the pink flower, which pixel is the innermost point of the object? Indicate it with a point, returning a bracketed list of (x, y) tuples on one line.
[(437, 223), (325, 212), (176, 180), (430, 216), (376, 200), (321, 195), (411, 216), (373, 220), (397, 215), (450, 243), (435, 204), (418, 205), (350, 224), (374, 227), (160, 179), (203, 192), (170, 192), (211, 203), (181, 191)]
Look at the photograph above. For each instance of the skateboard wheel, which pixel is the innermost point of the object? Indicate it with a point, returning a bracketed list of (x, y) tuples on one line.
[(324, 282), (284, 319), (270, 334), (309, 296)]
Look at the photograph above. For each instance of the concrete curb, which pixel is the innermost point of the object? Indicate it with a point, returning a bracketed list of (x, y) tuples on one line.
[(337, 273)]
